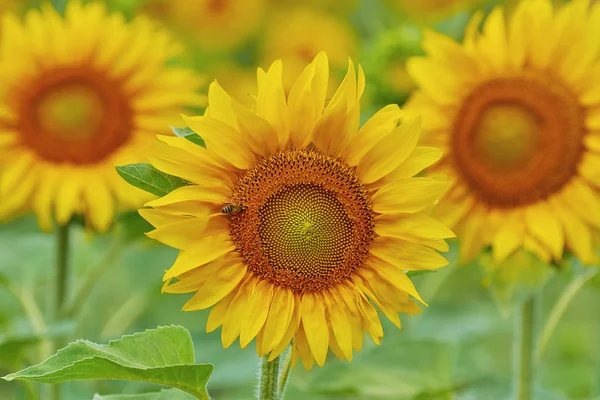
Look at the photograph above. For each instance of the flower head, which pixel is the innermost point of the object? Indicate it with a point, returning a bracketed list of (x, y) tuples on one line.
[(516, 110), (296, 35), (218, 25), (297, 223), (79, 95)]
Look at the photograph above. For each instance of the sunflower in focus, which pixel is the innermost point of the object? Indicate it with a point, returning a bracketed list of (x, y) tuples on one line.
[(297, 35), (516, 109), (297, 223), (79, 95)]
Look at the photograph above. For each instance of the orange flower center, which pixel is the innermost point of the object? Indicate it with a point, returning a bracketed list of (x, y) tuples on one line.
[(306, 222), (73, 115), (518, 140)]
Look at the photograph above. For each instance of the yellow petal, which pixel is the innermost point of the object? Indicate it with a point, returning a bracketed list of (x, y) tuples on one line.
[(100, 203), (577, 233), (421, 158), (472, 235), (377, 127), (370, 320), (340, 325), (544, 226), (223, 140), (279, 318), (406, 255), (435, 80), (509, 237), (186, 193), (258, 309), (43, 200), (218, 312), (390, 152), (408, 196), (193, 280), (348, 295), (404, 226), (220, 105), (271, 102), (302, 345), (315, 325), (184, 234), (68, 197), (205, 251), (262, 137), (394, 275), (236, 313), (289, 333), (157, 217), (302, 112)]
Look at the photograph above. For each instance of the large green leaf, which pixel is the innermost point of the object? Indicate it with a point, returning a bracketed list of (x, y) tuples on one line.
[(164, 356), (144, 176), (189, 134), (166, 394)]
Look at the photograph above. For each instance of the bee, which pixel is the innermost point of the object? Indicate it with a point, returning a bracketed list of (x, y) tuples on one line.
[(232, 209)]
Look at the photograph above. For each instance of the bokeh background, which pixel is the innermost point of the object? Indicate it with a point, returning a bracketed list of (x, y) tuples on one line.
[(459, 348)]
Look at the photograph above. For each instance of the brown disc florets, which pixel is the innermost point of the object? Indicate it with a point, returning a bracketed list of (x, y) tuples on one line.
[(518, 139), (74, 114), (306, 222)]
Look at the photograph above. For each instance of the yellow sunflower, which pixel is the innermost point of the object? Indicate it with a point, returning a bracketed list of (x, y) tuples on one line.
[(217, 24), (299, 224), (79, 95), (430, 11), (516, 109), (297, 35)]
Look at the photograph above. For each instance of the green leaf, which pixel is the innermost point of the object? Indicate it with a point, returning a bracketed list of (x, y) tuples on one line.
[(189, 134), (164, 356), (144, 176), (412, 274), (165, 394)]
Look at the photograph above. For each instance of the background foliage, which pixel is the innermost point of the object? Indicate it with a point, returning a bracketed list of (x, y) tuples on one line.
[(459, 348)]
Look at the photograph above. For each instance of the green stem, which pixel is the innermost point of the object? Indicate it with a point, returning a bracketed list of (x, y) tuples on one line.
[(92, 277), (525, 343), (560, 307), (269, 372), (61, 280), (284, 373), (62, 277)]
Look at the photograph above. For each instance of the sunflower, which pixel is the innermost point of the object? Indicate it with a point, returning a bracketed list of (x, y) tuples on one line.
[(432, 11), (297, 35), (79, 95), (516, 110), (298, 224), (218, 25)]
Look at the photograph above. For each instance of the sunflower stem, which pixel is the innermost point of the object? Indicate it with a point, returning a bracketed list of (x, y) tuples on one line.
[(284, 374), (61, 281), (524, 346), (559, 309), (269, 372)]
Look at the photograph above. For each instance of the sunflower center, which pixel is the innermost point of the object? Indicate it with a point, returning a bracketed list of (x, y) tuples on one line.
[(74, 115), (518, 140), (306, 222), (71, 112)]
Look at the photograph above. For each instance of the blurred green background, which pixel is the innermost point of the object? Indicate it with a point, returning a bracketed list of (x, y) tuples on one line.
[(459, 348)]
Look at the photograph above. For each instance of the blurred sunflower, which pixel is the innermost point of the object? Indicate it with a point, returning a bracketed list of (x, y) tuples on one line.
[(297, 35), (218, 25), (332, 6), (516, 110), (79, 95), (431, 11), (323, 218)]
